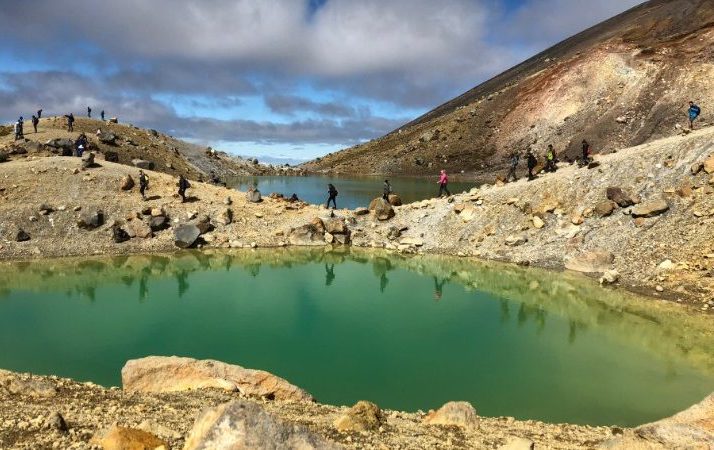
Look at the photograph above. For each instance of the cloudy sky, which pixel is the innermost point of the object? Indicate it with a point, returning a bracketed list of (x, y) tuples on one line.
[(279, 78)]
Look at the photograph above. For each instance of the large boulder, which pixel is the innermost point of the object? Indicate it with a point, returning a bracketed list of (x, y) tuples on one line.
[(88, 160), (619, 196), (185, 235), (159, 223), (460, 414), (59, 143), (107, 137), (142, 164), (126, 183), (173, 374), (245, 425), (306, 235), (335, 226), (692, 428), (383, 210), (137, 228), (597, 261), (363, 416), (253, 196), (90, 220), (394, 200), (650, 208)]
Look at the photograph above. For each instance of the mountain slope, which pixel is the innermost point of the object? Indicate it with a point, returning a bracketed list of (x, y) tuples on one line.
[(621, 83)]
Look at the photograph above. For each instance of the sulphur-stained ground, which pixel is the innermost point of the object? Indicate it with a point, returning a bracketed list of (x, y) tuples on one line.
[(30, 404)]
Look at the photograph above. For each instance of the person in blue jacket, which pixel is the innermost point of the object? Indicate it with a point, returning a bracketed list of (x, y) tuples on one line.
[(694, 112)]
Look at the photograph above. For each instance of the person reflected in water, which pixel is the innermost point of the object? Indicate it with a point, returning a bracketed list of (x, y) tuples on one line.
[(143, 287), (505, 311), (383, 281), (182, 279), (329, 274), (439, 288)]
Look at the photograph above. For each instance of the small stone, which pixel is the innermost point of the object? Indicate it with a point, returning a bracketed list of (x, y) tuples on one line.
[(659, 288), (538, 222), (518, 443), (57, 422)]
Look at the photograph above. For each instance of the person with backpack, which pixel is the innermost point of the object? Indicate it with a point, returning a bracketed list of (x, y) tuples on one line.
[(183, 184), (387, 190), (89, 112), (586, 153), (443, 183), (102, 115), (515, 158), (81, 144), (35, 122), (39, 114), (143, 183), (694, 112), (18, 129), (550, 159), (332, 196), (532, 163), (70, 122)]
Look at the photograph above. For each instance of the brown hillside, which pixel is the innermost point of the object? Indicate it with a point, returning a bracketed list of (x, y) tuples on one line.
[(168, 154), (619, 84)]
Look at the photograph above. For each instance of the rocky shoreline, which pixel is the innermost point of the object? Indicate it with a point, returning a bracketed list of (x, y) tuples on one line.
[(184, 403)]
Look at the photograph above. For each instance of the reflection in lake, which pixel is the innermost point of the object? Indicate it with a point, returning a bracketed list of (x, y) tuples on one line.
[(406, 332)]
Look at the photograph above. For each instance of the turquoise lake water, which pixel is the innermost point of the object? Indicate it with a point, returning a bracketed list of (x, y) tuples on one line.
[(353, 191), (406, 333)]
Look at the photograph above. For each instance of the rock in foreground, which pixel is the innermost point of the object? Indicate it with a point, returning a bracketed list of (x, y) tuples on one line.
[(243, 425), (172, 374)]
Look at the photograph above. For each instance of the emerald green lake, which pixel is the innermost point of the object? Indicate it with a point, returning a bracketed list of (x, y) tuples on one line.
[(408, 333)]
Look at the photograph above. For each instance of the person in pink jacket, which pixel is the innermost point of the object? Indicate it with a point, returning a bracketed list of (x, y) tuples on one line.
[(443, 183)]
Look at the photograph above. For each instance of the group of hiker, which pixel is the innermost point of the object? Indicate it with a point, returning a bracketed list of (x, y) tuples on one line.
[(19, 125)]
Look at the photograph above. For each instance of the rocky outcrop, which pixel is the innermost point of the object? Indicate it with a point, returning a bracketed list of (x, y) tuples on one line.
[(171, 374), (243, 425), (692, 428)]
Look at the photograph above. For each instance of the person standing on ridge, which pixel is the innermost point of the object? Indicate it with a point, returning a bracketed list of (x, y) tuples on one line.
[(89, 112), (143, 183), (694, 112), (35, 122), (18, 129), (515, 158), (102, 115), (532, 162), (387, 190), (586, 153), (183, 184), (332, 196), (550, 159), (70, 122), (443, 183)]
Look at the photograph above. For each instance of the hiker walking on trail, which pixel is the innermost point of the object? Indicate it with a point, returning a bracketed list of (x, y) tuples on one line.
[(694, 112), (586, 153), (35, 122), (332, 196), (39, 114), (143, 183), (550, 159), (515, 158), (387, 190), (70, 122), (443, 183), (18, 129), (532, 162), (89, 112), (183, 184), (101, 114)]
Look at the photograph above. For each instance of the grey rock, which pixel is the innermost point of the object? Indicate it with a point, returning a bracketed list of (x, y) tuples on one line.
[(142, 164), (253, 196), (185, 235), (22, 236), (619, 196), (88, 160), (91, 220), (107, 138), (243, 425), (159, 223), (111, 156)]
